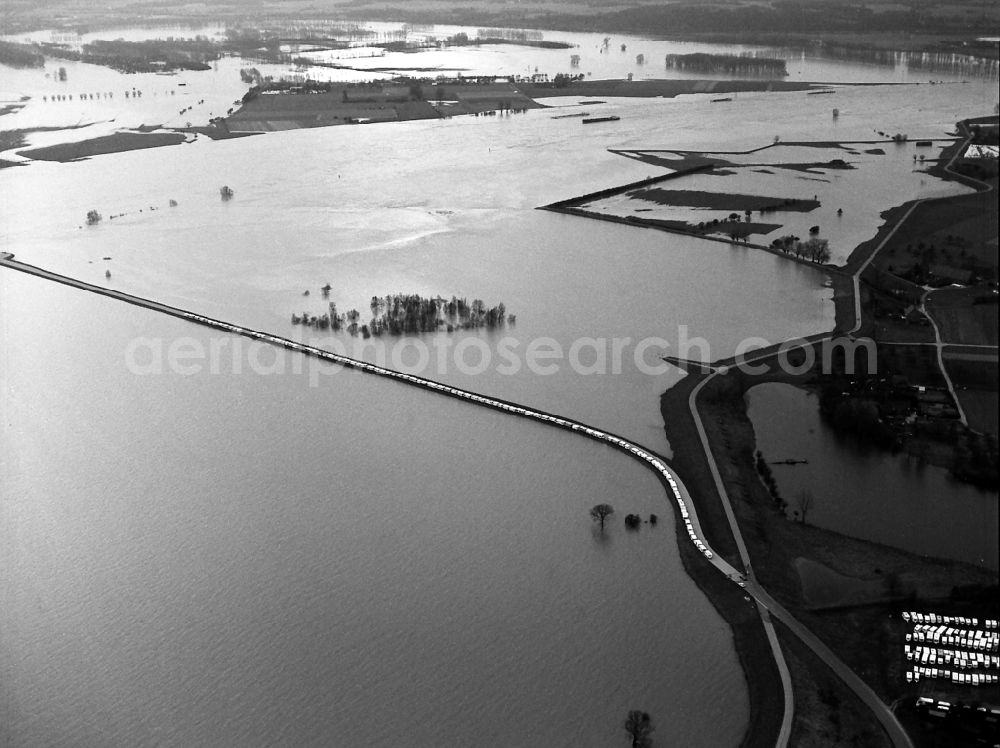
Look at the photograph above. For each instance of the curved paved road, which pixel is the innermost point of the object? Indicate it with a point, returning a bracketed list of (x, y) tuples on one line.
[(939, 341), (768, 605), (647, 457), (752, 587)]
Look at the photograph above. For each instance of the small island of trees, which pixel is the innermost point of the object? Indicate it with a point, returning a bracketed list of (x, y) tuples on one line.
[(701, 62), (402, 314)]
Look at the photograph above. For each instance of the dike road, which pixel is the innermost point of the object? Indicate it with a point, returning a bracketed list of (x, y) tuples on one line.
[(768, 607), (676, 490)]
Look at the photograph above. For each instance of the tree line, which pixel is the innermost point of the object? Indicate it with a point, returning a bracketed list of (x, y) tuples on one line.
[(149, 55), (703, 62), (601, 512), (17, 55), (813, 249), (140, 57)]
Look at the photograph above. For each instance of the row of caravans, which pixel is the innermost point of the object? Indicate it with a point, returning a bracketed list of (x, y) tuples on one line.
[(951, 658), (936, 618), (983, 641), (623, 444), (967, 679)]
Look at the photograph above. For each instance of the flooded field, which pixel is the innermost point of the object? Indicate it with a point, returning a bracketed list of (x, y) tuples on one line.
[(264, 559), (848, 181)]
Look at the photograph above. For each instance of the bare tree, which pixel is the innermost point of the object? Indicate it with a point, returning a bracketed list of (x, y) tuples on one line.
[(803, 503), (601, 512), (638, 726)]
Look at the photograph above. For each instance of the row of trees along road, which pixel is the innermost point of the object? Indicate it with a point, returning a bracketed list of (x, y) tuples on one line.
[(814, 249)]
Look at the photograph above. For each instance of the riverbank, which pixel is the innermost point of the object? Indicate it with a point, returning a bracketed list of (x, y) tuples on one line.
[(13, 139), (738, 215), (732, 604), (954, 28), (119, 142), (666, 89), (739, 611), (863, 636), (415, 99), (776, 542), (116, 143), (866, 637)]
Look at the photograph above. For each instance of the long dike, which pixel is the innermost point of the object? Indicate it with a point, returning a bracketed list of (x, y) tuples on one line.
[(648, 458), (569, 203), (571, 206)]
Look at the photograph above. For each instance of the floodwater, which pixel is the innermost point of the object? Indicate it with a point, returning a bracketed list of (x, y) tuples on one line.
[(247, 560), (175, 100), (441, 207), (250, 558), (876, 169), (871, 495), (600, 55)]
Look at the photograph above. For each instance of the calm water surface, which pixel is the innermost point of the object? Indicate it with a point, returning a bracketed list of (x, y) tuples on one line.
[(252, 559), (245, 560), (431, 208), (869, 494)]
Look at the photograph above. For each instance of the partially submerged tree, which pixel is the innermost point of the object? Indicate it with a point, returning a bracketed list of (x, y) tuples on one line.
[(601, 512), (817, 250), (93, 217), (639, 726), (803, 503)]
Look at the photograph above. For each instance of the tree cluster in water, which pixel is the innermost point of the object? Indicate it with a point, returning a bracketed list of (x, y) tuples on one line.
[(402, 314), (813, 249), (703, 62), (151, 55), (17, 55), (879, 411)]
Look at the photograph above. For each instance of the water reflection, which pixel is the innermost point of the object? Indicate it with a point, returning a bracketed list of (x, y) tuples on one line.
[(244, 560), (869, 494)]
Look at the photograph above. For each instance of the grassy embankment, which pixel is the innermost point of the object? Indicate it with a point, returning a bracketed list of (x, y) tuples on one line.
[(853, 616), (115, 143), (13, 139), (842, 588), (759, 669), (722, 228), (657, 88)]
